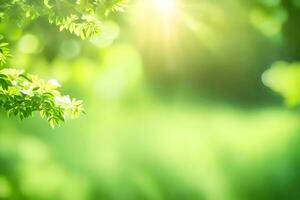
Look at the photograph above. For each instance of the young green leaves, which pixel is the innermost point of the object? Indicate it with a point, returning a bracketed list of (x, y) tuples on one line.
[(79, 17), (4, 53), (86, 27), (22, 94)]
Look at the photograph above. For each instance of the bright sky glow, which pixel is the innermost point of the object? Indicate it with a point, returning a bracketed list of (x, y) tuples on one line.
[(158, 24), (158, 18), (166, 7)]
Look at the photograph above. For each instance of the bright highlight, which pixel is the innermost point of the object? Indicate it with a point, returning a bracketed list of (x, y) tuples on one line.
[(166, 6)]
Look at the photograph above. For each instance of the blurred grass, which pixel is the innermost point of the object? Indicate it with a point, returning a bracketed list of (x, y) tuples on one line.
[(154, 150)]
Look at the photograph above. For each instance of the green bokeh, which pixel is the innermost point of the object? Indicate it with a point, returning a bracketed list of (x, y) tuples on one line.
[(176, 106)]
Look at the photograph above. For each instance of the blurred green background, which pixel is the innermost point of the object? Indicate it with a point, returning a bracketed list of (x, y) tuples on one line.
[(176, 107)]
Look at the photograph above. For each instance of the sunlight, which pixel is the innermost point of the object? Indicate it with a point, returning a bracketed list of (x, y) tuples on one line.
[(158, 23), (166, 6), (164, 20)]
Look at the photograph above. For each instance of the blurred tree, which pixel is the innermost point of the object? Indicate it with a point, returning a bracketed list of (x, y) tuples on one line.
[(284, 77)]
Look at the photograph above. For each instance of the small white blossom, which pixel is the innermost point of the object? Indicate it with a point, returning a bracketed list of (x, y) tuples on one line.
[(62, 100), (14, 83), (54, 82), (27, 92), (26, 83)]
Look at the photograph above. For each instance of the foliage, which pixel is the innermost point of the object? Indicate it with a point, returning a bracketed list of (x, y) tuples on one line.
[(4, 53), (22, 94), (284, 78), (278, 21), (79, 17)]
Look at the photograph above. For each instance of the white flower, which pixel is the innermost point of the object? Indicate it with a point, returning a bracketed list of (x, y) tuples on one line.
[(26, 83), (27, 92), (14, 83), (54, 83), (64, 100)]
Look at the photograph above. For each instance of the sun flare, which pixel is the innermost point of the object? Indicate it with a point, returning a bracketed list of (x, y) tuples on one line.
[(166, 7), (157, 17)]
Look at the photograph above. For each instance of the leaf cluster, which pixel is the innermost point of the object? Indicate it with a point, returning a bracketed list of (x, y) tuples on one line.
[(4, 53), (79, 17), (22, 94)]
